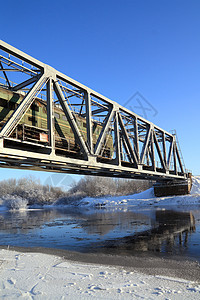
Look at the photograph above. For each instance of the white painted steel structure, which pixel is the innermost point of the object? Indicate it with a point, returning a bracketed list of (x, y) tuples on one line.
[(140, 149)]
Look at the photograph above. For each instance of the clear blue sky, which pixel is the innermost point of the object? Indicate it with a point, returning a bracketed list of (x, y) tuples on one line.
[(118, 48)]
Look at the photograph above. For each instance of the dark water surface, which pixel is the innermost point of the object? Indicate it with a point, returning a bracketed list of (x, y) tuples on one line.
[(124, 231)]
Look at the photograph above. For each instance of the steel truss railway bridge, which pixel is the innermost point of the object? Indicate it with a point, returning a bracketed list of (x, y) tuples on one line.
[(139, 150)]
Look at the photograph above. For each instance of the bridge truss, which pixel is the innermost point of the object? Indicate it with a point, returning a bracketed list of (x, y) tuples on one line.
[(137, 148)]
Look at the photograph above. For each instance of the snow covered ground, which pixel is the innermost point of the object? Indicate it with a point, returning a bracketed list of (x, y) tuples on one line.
[(43, 276), (147, 198), (143, 199)]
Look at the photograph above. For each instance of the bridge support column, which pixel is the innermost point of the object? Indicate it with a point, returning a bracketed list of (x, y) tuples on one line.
[(173, 188)]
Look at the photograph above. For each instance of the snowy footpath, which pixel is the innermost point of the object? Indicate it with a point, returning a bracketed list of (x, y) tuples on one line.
[(43, 276)]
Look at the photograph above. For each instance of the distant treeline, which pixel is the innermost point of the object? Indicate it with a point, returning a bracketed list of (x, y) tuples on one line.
[(31, 190), (94, 186)]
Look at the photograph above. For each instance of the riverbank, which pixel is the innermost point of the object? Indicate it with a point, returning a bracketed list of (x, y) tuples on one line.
[(58, 274), (146, 199), (41, 273)]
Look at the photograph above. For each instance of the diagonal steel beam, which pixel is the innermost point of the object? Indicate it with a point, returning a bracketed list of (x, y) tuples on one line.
[(70, 118), (127, 151), (99, 110), (17, 115), (96, 111), (152, 151), (103, 133), (170, 153), (126, 137), (21, 55), (145, 145), (12, 70), (82, 104), (25, 83), (159, 152)]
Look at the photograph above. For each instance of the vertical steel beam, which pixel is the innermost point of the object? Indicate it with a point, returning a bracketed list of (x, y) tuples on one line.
[(117, 139), (164, 148), (136, 140), (50, 116), (121, 147), (89, 121), (152, 150), (174, 155)]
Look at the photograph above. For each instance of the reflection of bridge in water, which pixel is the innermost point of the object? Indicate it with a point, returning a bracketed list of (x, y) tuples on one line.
[(113, 232), (171, 227), (51, 122)]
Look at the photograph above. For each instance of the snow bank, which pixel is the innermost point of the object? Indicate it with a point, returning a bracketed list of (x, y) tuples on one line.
[(147, 198), (143, 199), (195, 185), (42, 276)]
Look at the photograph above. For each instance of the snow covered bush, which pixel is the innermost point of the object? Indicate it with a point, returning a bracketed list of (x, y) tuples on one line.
[(15, 202), (29, 190)]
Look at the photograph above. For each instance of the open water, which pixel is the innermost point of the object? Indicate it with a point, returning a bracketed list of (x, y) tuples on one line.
[(124, 231)]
